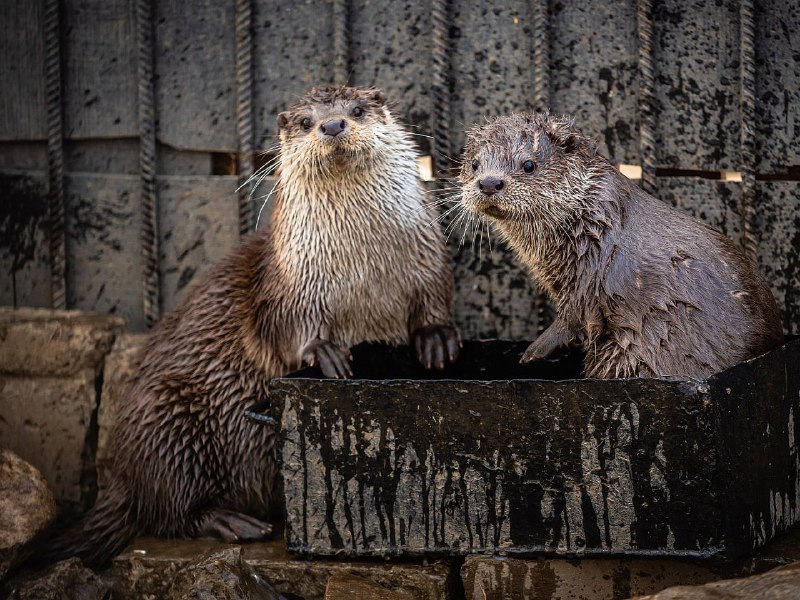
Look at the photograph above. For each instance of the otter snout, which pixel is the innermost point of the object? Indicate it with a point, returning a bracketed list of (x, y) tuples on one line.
[(490, 185), (333, 127)]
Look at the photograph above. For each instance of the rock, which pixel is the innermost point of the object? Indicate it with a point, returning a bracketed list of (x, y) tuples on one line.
[(50, 368), (782, 583), (66, 580), (119, 365), (221, 575), (149, 566), (54, 343), (602, 578), (492, 578), (26, 508), (344, 586)]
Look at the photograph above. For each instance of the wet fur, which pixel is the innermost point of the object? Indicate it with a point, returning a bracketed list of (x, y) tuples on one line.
[(349, 257), (645, 289)]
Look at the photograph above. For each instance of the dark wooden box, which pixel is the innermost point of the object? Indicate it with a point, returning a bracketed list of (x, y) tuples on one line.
[(493, 457)]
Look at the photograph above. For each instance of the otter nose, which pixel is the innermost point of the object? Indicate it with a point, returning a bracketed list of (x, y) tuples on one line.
[(491, 185), (333, 128)]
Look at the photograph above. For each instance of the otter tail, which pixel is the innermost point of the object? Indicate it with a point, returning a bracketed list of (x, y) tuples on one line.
[(99, 536)]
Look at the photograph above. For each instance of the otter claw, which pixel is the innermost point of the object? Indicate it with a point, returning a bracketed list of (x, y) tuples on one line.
[(333, 360), (233, 527), (437, 345)]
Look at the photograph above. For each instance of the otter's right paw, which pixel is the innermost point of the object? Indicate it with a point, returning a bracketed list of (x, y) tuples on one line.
[(232, 527), (333, 360)]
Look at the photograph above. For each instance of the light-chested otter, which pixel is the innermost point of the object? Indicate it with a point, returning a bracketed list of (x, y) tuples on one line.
[(647, 290), (349, 257)]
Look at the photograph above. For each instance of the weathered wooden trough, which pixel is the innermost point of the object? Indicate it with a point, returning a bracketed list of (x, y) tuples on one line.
[(494, 457)]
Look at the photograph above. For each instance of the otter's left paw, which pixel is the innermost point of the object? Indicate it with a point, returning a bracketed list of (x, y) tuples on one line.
[(437, 345)]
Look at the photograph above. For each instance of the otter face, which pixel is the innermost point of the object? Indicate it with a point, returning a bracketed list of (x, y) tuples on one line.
[(334, 122), (518, 167)]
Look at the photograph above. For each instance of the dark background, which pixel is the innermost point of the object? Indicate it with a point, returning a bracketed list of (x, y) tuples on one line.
[(126, 125)]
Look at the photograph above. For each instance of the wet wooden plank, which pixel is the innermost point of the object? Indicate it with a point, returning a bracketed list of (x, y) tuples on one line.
[(594, 73), (777, 84), (778, 231), (490, 63), (100, 69), (292, 52), (22, 94), (196, 74), (696, 59), (24, 247), (529, 460), (103, 240), (712, 201), (390, 45), (198, 225)]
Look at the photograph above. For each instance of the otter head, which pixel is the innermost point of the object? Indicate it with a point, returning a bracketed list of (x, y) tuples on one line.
[(334, 124), (525, 168)]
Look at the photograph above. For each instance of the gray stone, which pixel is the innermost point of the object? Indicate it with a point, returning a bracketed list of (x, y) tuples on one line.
[(782, 583), (221, 575), (119, 365), (149, 566), (54, 343), (26, 508), (344, 586), (66, 580), (50, 362), (489, 578)]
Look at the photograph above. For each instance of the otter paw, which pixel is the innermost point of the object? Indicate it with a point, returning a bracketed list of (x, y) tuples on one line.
[(333, 360), (232, 527), (437, 345), (536, 351)]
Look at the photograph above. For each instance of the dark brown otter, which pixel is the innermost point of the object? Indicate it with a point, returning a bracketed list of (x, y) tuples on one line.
[(349, 257), (646, 290)]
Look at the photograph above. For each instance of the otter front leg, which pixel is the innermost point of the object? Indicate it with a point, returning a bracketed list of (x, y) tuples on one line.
[(558, 335), (333, 360), (436, 345)]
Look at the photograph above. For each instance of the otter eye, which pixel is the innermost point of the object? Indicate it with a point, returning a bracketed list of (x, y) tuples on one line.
[(357, 111), (474, 164), (528, 166), (306, 123)]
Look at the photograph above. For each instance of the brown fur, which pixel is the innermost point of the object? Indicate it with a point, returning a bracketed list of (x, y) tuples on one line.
[(349, 257), (647, 290)]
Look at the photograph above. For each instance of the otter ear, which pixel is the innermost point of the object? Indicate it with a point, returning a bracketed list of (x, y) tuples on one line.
[(377, 96), (283, 120)]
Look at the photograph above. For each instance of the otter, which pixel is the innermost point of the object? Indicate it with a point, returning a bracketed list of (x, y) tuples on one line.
[(349, 256), (646, 290)]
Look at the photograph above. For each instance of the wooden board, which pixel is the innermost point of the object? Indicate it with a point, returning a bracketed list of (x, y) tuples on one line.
[(778, 231), (696, 60), (198, 225), (195, 46), (777, 84), (22, 95), (24, 249), (390, 45), (103, 240), (99, 69), (292, 52), (490, 63), (594, 73), (529, 460)]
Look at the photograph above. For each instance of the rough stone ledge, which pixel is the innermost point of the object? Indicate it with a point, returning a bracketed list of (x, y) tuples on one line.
[(495, 578), (147, 569), (54, 343)]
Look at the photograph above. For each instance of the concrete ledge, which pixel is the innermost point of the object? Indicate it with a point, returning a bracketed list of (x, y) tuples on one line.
[(147, 568), (54, 343)]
